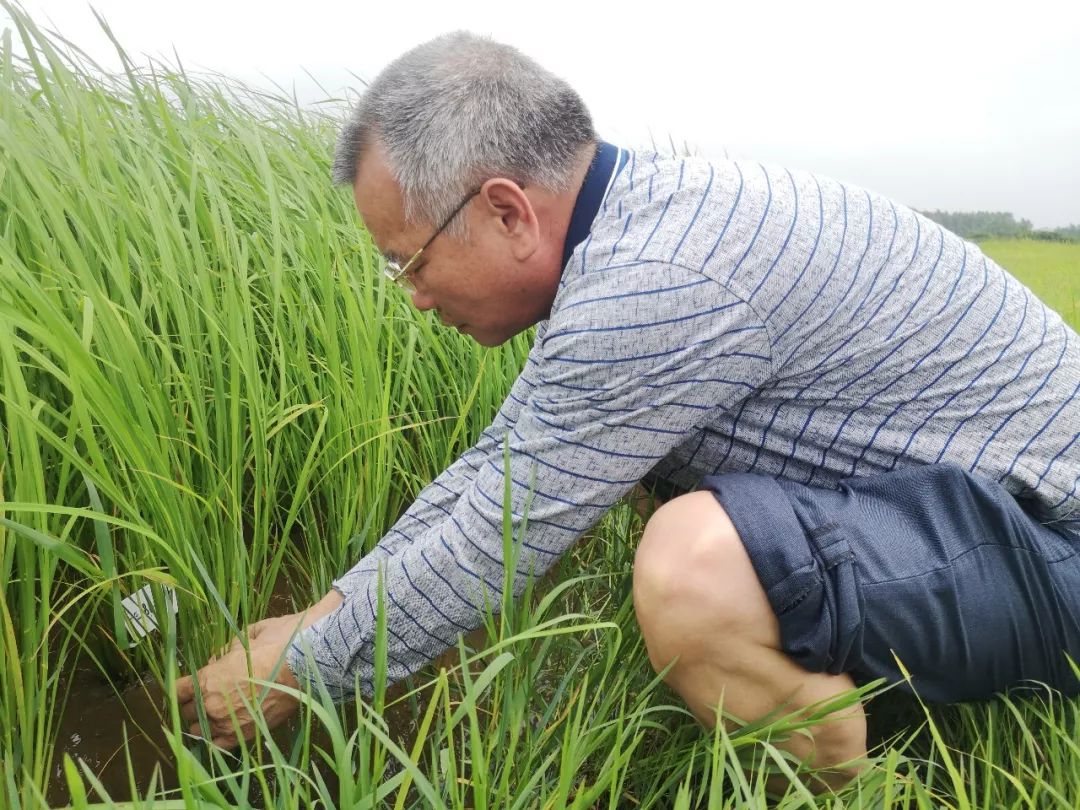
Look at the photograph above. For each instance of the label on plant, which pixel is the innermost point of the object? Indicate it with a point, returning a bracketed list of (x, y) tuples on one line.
[(140, 619)]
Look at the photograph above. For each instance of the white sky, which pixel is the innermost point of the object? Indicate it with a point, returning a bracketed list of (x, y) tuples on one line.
[(955, 105)]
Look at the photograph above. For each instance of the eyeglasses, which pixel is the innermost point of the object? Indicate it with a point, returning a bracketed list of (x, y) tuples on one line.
[(398, 273)]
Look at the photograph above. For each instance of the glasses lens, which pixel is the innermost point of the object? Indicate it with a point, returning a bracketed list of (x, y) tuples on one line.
[(393, 272)]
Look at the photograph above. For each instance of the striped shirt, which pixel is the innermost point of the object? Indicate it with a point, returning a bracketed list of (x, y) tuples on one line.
[(719, 316)]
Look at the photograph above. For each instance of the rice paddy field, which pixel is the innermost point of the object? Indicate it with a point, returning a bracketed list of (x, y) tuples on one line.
[(1050, 269), (206, 389)]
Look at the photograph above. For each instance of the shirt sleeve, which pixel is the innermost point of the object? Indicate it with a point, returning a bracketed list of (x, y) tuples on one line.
[(629, 366)]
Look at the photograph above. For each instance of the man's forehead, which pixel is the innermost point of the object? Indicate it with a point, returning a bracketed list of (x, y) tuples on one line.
[(379, 201)]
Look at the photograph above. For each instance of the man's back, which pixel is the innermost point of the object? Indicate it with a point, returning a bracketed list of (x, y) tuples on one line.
[(890, 341)]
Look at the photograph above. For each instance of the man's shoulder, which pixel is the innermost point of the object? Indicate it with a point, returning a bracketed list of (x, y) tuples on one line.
[(684, 211)]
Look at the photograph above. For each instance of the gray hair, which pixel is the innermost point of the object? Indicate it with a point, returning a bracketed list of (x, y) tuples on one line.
[(458, 110)]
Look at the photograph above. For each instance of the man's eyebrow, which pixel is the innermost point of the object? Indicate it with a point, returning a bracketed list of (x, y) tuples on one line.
[(390, 255)]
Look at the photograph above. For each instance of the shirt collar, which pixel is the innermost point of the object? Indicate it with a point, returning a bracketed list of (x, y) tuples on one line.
[(605, 165)]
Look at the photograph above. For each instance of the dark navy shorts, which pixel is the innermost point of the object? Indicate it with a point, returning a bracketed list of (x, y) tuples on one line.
[(942, 568)]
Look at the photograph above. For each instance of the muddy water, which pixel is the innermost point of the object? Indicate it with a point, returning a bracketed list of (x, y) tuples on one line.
[(92, 729), (97, 718)]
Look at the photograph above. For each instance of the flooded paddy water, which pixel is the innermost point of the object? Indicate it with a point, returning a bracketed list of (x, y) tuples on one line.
[(120, 737), (117, 731), (96, 724)]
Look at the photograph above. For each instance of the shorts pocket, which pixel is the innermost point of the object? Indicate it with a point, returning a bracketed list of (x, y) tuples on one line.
[(821, 624), (841, 584)]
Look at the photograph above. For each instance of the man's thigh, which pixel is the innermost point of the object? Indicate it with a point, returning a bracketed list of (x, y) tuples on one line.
[(930, 565)]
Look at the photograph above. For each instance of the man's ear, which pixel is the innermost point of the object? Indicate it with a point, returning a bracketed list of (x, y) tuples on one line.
[(516, 219)]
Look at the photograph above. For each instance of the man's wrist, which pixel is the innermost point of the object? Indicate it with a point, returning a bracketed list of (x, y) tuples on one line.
[(287, 677), (294, 662), (328, 604)]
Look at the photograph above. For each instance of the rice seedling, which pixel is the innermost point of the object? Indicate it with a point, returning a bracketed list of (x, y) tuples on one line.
[(205, 386)]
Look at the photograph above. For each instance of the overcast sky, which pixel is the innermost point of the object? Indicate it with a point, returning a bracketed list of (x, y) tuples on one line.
[(943, 104)]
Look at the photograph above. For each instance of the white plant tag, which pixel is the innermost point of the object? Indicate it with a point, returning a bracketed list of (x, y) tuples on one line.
[(139, 607)]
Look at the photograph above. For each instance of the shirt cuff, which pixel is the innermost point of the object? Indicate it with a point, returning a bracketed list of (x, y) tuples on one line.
[(306, 658)]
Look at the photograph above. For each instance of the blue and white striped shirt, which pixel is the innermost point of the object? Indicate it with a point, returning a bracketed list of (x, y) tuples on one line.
[(725, 316)]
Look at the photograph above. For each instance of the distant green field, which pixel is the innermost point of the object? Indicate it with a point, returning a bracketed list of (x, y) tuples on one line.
[(1050, 269)]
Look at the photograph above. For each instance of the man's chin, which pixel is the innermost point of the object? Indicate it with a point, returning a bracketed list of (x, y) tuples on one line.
[(491, 336), (486, 339)]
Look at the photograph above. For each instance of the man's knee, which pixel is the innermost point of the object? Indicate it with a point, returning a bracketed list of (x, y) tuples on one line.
[(693, 577), (700, 603)]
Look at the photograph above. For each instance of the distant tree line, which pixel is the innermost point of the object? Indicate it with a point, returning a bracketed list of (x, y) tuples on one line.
[(999, 225)]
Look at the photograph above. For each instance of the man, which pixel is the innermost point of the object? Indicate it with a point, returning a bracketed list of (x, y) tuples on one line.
[(879, 422)]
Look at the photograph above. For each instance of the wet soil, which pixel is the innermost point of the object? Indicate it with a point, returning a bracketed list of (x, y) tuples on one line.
[(106, 729), (93, 729), (104, 725)]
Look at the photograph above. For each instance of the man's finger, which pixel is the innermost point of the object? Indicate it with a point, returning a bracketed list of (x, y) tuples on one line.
[(185, 689), (189, 712), (224, 732), (232, 646), (229, 741)]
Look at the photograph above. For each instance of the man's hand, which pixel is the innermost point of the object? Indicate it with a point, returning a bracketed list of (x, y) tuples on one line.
[(226, 680)]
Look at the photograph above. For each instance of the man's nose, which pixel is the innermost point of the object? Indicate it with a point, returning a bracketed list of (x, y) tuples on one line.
[(423, 301)]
